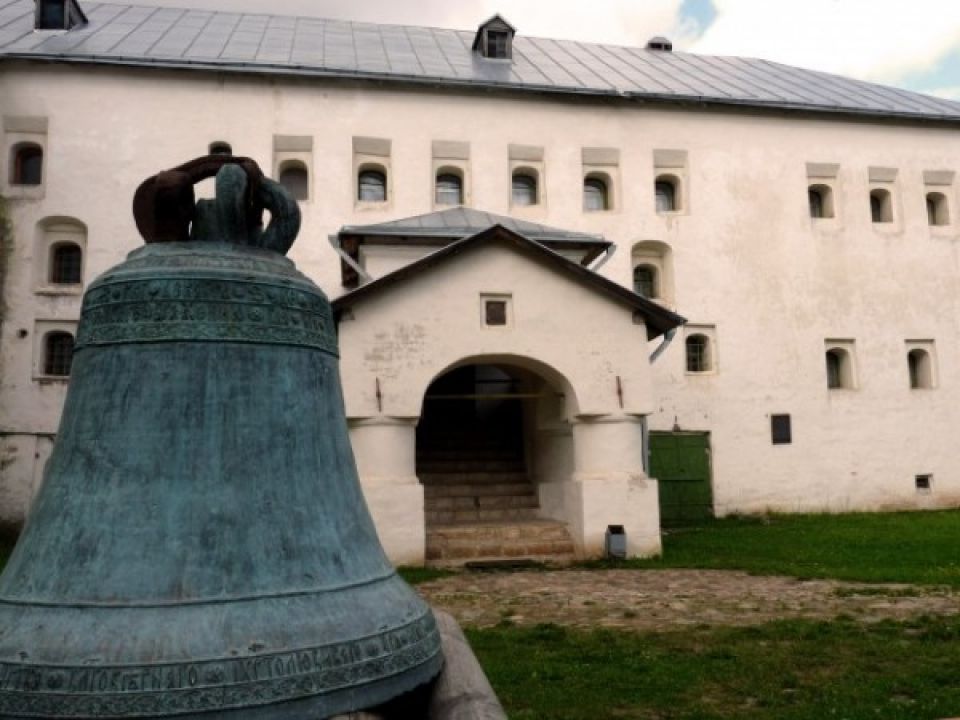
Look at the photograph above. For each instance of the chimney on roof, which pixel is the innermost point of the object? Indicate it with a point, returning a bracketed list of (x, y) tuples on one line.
[(660, 43), (58, 15), (494, 39)]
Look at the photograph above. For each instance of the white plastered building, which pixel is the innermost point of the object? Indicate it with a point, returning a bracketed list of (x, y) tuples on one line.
[(513, 231)]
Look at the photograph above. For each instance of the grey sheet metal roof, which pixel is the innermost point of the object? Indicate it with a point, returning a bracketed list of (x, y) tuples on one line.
[(459, 222), (658, 319), (203, 39)]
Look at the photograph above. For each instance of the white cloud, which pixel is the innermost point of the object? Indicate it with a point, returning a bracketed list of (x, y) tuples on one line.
[(949, 93), (879, 40)]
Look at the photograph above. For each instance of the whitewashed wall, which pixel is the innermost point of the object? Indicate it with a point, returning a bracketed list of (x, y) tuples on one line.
[(747, 257)]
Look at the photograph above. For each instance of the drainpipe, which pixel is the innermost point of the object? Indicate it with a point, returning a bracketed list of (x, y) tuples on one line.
[(602, 260), (644, 429), (365, 277), (664, 344)]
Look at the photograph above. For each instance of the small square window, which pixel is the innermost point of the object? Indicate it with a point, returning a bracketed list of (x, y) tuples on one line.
[(924, 483), (780, 430), (495, 312)]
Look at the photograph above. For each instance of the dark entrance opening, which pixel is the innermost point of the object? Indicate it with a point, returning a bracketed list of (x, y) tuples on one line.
[(478, 447), (472, 414)]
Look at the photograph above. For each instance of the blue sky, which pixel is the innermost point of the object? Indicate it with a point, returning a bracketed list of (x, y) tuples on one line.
[(887, 41)]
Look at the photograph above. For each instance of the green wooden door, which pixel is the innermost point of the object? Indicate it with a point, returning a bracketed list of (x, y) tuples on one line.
[(681, 462)]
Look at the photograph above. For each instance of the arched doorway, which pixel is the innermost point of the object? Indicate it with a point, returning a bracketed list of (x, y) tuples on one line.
[(485, 438)]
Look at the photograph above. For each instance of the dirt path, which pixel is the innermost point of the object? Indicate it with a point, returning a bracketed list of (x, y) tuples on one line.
[(658, 599)]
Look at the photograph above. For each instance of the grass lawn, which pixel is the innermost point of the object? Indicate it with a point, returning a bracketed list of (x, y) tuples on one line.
[(788, 670), (909, 547)]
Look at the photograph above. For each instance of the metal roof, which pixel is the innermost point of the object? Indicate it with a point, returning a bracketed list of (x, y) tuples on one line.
[(658, 319), (227, 41), (459, 222)]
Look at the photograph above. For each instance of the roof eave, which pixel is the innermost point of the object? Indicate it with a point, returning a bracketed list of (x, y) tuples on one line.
[(491, 85)]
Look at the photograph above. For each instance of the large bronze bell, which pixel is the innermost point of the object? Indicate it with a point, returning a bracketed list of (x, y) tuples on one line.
[(200, 547)]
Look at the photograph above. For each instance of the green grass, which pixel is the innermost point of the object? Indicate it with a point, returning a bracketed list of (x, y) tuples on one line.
[(788, 670), (417, 575), (908, 547)]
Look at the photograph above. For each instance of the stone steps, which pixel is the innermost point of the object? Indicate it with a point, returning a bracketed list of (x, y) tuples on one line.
[(542, 540), (473, 478), (466, 465), (445, 517), (482, 502), (476, 490)]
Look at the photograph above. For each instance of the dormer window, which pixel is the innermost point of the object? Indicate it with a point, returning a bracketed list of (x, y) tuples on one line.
[(494, 39), (58, 15), (497, 44)]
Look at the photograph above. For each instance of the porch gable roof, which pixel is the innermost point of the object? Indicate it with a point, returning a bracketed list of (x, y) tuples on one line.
[(657, 319)]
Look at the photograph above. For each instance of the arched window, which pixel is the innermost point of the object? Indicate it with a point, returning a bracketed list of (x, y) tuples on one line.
[(26, 167), (920, 369), (524, 188), (665, 190), (372, 186), (294, 177), (645, 281), (820, 199), (66, 264), (220, 148), (449, 189), (596, 194), (937, 210), (57, 354), (652, 263), (839, 372), (698, 353), (881, 206)]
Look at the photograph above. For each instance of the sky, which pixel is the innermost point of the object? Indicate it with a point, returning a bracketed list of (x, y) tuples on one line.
[(914, 45)]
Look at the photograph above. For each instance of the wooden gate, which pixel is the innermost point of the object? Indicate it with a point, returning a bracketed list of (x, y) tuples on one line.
[(681, 464)]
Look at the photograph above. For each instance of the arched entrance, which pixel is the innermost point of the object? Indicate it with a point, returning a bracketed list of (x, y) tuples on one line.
[(485, 438)]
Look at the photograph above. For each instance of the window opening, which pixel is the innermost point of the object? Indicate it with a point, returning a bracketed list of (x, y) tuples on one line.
[(53, 15), (524, 189), (780, 430), (449, 190), (836, 369), (27, 166), (66, 264), (645, 281), (497, 43), (880, 206), (697, 353), (595, 194), (919, 367), (294, 177), (820, 201), (937, 213), (372, 186), (495, 312), (666, 195), (923, 482), (58, 355)]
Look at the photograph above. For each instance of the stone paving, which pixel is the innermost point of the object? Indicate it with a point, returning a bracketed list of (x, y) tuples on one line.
[(664, 599)]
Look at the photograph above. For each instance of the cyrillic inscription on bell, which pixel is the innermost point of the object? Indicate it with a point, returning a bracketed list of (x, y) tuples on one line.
[(200, 546)]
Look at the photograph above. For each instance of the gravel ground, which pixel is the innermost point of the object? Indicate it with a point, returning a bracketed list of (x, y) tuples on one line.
[(662, 599)]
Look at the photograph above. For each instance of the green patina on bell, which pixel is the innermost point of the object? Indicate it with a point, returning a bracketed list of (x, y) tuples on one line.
[(200, 546)]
